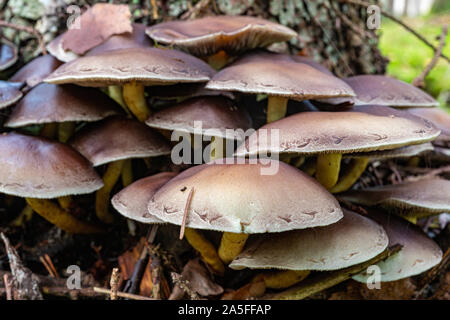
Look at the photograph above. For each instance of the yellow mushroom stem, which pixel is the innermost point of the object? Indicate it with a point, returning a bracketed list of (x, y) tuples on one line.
[(410, 219), (51, 212), (218, 61), (127, 173), (276, 108), (414, 161), (350, 174), (217, 148), (111, 176), (206, 249), (327, 169), (133, 94), (25, 215), (49, 130), (65, 202), (65, 131), (283, 279), (115, 93), (309, 166), (298, 161), (231, 246)]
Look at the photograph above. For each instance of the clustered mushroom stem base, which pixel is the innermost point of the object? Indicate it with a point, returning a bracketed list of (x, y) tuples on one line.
[(284, 279), (217, 148), (133, 94), (231, 246), (350, 175), (327, 169), (111, 176), (54, 214), (276, 108), (218, 61), (206, 250)]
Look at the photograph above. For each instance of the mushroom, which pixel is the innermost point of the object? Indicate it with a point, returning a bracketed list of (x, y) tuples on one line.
[(412, 200), (39, 169), (133, 68), (331, 134), (279, 77), (36, 70), (352, 240), (403, 152), (8, 54), (218, 37), (387, 91), (418, 254), (10, 93), (217, 115), (439, 118), (240, 199), (116, 141)]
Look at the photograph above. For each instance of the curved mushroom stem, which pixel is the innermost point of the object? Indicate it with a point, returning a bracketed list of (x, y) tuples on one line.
[(115, 93), (133, 94), (206, 250), (218, 61), (65, 202), (53, 213), (112, 174), (276, 108), (127, 173), (283, 279), (49, 130), (231, 245), (309, 166), (327, 170), (25, 215), (65, 131), (350, 175), (217, 146)]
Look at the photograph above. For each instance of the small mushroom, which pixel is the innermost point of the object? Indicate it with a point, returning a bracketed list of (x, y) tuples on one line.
[(280, 78), (418, 254), (8, 54), (115, 141), (10, 93), (36, 70)]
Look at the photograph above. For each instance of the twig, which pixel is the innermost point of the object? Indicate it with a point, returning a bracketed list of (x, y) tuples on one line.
[(195, 10), (47, 267), (155, 269), (30, 30), (420, 80), (388, 15), (183, 284), (122, 294), (8, 287), (52, 267), (114, 283), (186, 210), (429, 174)]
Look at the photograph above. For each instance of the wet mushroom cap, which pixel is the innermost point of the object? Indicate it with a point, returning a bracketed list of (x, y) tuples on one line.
[(8, 54), (39, 168), (117, 138), (365, 128), (352, 240), (9, 93), (132, 201), (387, 91), (439, 117), (426, 195), (209, 35), (245, 198), (36, 70), (403, 152), (217, 114), (418, 254), (147, 66), (48, 103), (278, 75)]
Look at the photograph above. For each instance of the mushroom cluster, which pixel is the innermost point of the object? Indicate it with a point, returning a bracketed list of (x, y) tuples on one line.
[(107, 121)]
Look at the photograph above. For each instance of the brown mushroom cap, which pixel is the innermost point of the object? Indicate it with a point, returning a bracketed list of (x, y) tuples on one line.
[(48, 103), (216, 113), (418, 254), (403, 152), (39, 168), (439, 117), (233, 34), (352, 240), (9, 93), (387, 91), (239, 198), (8, 54), (365, 128), (36, 70), (117, 138), (312, 63), (278, 75), (148, 66), (132, 201), (427, 196)]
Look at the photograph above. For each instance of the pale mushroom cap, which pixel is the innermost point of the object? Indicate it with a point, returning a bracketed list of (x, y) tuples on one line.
[(387, 91), (233, 34), (365, 128), (403, 152), (48, 103), (426, 195), (278, 75), (36, 70), (8, 54), (439, 117), (244, 198), (55, 48), (352, 240), (9, 93), (419, 253), (312, 63), (118, 138), (217, 114), (38, 168), (132, 201), (148, 66)]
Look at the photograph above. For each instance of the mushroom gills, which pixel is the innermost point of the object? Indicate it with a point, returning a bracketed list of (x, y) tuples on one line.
[(134, 97)]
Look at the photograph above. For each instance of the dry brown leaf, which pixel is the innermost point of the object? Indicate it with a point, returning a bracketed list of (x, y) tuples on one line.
[(255, 289), (96, 25)]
